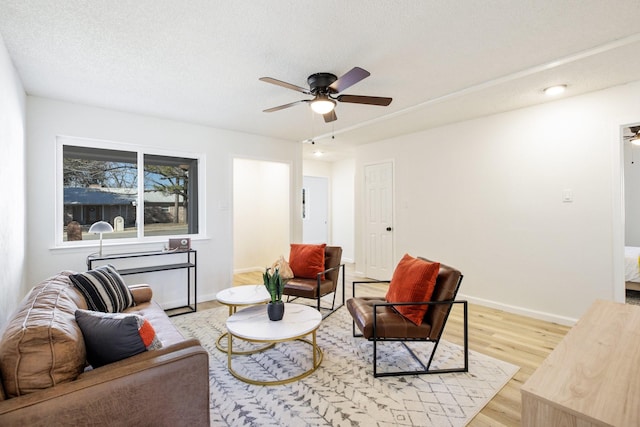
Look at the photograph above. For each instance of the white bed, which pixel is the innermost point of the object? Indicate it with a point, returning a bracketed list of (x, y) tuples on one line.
[(631, 265)]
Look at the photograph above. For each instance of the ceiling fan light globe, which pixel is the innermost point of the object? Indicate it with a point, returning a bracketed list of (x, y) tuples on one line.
[(323, 105), (635, 141)]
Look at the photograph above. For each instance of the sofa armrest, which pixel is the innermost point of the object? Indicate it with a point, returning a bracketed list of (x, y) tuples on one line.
[(141, 293), (169, 386)]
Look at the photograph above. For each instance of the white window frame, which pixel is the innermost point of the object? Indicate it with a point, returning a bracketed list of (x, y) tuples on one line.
[(140, 150)]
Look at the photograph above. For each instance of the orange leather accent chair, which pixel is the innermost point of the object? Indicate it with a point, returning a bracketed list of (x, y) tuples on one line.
[(319, 287), (378, 321)]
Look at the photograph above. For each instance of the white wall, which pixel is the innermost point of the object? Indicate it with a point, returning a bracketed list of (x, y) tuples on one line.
[(342, 207), (48, 118), (341, 201), (13, 178), (260, 213), (486, 197)]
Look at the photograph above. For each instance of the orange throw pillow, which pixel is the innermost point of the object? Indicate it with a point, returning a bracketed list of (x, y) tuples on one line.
[(413, 280), (307, 261)]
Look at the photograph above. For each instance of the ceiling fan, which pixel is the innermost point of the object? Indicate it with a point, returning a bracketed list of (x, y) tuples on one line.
[(634, 138), (325, 88)]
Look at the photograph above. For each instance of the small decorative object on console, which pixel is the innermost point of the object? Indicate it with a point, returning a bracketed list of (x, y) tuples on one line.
[(182, 244)]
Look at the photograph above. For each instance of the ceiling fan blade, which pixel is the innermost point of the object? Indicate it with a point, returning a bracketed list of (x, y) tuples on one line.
[(285, 84), (349, 79), (330, 116), (371, 100), (282, 107)]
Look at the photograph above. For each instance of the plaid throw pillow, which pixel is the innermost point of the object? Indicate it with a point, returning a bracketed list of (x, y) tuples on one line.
[(104, 289)]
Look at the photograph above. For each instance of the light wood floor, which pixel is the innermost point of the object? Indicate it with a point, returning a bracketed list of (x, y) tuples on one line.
[(520, 340)]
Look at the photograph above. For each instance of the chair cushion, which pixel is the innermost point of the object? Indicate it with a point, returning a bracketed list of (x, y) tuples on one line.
[(306, 260), (104, 289), (389, 323), (110, 337), (413, 280), (307, 288), (166, 331)]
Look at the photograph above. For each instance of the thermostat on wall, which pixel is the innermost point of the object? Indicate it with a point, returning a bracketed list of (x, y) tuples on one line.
[(183, 244)]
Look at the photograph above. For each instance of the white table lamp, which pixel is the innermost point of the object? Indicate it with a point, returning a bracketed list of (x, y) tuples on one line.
[(99, 228)]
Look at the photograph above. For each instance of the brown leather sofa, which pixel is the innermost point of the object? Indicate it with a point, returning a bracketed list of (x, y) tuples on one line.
[(46, 381)]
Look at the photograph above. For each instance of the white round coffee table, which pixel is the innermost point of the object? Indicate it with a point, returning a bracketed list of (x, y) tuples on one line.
[(238, 296), (252, 324)]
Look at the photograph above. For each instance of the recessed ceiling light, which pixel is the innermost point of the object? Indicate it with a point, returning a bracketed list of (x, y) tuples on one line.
[(318, 153), (555, 90)]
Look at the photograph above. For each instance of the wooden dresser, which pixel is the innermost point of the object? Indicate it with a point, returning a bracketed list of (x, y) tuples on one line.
[(592, 378)]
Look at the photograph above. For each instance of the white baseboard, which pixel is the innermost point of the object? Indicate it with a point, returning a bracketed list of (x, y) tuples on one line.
[(206, 297), (167, 305), (535, 314), (541, 315), (248, 270)]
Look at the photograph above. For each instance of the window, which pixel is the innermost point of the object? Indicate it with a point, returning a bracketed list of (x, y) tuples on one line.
[(169, 207), (140, 194)]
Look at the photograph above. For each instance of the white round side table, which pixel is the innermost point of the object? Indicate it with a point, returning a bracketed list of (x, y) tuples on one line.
[(252, 324), (239, 296)]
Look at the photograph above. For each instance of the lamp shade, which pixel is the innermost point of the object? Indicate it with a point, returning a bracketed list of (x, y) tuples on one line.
[(100, 227)]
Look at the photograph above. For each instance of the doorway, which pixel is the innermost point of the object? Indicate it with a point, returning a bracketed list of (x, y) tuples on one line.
[(379, 220), (261, 213), (315, 209), (631, 203)]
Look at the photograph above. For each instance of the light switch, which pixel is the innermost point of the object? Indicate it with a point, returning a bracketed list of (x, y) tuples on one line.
[(567, 196)]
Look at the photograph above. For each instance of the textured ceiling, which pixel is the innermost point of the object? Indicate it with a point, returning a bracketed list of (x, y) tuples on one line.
[(199, 61)]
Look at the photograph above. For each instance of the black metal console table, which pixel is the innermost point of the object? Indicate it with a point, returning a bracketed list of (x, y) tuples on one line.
[(189, 263)]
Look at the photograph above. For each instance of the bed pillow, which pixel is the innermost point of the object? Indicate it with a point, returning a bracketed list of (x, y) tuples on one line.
[(306, 261), (110, 337), (104, 289), (413, 280)]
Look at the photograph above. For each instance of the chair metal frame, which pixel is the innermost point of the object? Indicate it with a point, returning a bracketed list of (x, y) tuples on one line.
[(426, 368), (318, 297)]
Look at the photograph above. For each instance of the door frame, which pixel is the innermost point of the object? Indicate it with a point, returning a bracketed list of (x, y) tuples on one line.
[(618, 208)]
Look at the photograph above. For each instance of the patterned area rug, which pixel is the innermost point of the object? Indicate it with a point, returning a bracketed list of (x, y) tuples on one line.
[(342, 391)]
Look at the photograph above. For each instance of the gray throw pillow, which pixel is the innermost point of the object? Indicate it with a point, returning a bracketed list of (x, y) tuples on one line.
[(110, 337)]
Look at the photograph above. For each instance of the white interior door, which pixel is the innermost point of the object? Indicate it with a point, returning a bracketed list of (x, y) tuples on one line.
[(315, 209), (379, 220)]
